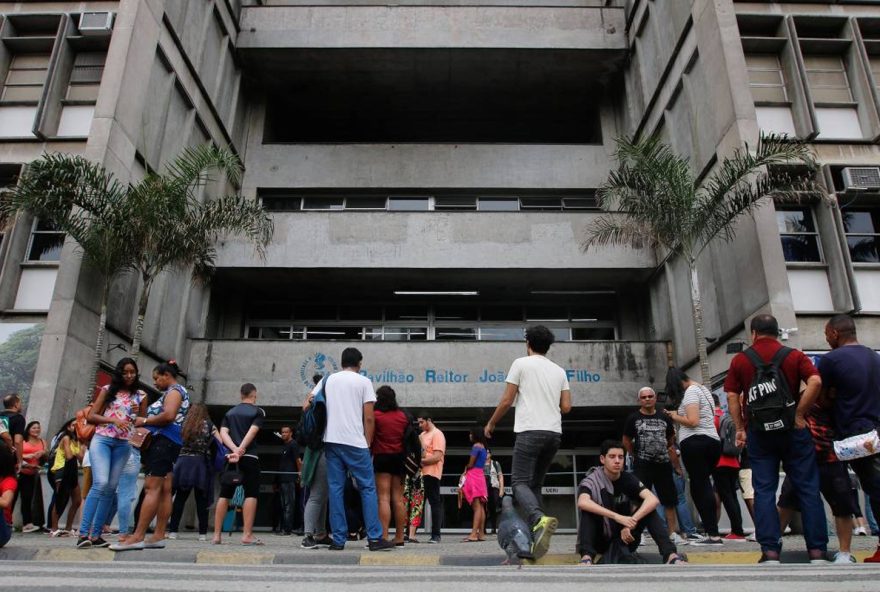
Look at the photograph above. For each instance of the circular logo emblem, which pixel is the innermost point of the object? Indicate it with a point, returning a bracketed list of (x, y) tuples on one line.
[(318, 363)]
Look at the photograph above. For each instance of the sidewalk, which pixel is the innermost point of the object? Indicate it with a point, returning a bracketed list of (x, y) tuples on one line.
[(286, 551)]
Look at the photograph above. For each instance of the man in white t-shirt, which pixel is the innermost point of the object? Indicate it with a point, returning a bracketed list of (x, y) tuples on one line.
[(539, 389), (350, 426)]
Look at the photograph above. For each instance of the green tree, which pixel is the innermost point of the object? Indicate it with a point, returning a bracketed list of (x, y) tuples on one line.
[(653, 199), (18, 361)]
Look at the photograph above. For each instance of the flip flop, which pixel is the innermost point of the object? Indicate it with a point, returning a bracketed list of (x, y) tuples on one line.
[(216, 542), (469, 540), (253, 543)]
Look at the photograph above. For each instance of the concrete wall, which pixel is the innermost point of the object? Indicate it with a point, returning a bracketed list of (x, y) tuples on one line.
[(432, 26), (432, 374)]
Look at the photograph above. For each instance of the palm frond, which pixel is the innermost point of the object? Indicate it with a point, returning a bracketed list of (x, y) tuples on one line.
[(618, 230), (193, 167)]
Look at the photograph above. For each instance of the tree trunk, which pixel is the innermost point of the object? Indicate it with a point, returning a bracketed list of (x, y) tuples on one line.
[(697, 305), (142, 312), (99, 343)]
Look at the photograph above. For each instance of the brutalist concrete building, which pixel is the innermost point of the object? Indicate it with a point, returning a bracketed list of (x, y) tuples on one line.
[(431, 169)]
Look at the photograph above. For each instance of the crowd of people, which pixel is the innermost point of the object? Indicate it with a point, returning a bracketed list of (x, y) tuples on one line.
[(374, 465)]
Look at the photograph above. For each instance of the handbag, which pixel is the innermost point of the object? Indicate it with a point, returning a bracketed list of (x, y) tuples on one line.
[(858, 446), (231, 476), (140, 438)]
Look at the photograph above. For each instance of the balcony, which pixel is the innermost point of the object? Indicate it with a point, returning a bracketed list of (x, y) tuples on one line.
[(424, 374)]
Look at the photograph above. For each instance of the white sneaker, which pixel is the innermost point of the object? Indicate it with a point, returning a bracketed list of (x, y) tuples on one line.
[(860, 531), (642, 541), (676, 539), (844, 558), (172, 536), (29, 528), (752, 538), (203, 538)]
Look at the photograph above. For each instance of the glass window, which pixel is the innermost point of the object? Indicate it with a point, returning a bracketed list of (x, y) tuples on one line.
[(766, 78), (797, 231), (46, 242), (27, 74), (463, 202), (827, 78), (330, 333), (406, 334), (455, 334), (861, 227), (498, 204), (501, 333), (323, 203), (365, 203), (85, 78), (282, 204), (541, 203), (408, 204)]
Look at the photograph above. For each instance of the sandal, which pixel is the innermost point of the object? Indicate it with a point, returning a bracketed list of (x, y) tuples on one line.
[(676, 559), (470, 540), (587, 560), (253, 543)]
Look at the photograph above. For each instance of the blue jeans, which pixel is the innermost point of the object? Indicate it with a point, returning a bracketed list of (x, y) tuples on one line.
[(5, 530), (343, 460), (108, 457), (685, 521), (869, 515), (126, 493), (795, 449)]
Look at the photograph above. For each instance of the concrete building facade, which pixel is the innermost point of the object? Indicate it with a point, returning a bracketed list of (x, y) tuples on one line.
[(431, 171)]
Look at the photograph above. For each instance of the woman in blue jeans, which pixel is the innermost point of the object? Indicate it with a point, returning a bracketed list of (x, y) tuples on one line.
[(113, 413)]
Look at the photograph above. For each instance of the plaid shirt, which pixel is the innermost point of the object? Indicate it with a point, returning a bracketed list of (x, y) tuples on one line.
[(819, 423)]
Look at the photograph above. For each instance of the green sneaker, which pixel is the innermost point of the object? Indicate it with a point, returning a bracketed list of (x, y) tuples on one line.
[(541, 534)]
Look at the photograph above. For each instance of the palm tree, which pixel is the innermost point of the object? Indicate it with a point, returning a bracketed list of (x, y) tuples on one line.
[(661, 204), (83, 200), (180, 229)]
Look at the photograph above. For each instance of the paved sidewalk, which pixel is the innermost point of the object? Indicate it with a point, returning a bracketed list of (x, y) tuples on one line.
[(286, 551)]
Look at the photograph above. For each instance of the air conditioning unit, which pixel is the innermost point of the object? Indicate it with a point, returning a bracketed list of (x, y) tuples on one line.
[(95, 23), (858, 179)]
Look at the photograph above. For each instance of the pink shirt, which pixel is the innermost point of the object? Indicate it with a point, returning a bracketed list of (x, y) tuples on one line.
[(431, 441), (124, 405)]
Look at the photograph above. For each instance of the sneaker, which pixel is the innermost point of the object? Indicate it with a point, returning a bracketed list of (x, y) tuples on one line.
[(335, 547), (309, 543), (542, 532), (172, 536), (860, 531), (752, 538), (324, 541), (434, 541), (692, 536), (769, 559), (642, 542), (203, 538), (844, 558), (380, 545), (100, 543), (29, 528), (875, 558), (59, 533), (83, 543), (677, 540), (735, 537), (708, 542)]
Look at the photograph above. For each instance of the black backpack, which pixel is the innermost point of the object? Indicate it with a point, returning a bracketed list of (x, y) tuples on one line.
[(412, 448), (771, 406), (310, 429), (727, 432)]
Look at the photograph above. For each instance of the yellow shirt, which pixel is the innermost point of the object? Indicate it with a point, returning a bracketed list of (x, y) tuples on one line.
[(75, 447)]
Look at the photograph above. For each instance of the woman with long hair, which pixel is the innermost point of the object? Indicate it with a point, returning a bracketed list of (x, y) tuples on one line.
[(164, 419), (113, 414), (63, 477), (699, 443), (474, 487), (8, 485), (194, 471), (388, 461), (34, 452)]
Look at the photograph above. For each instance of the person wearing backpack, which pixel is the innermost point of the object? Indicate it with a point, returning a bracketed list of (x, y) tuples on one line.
[(726, 474), (771, 422)]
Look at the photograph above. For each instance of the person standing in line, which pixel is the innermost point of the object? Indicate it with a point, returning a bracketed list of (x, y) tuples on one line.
[(474, 488), (238, 432), (115, 408), (347, 439), (494, 478), (388, 461), (540, 391), (8, 486), (165, 419), (433, 454), (289, 466), (314, 480), (851, 382), (34, 452), (726, 474), (781, 436), (649, 437), (699, 443), (414, 493), (63, 477), (194, 469), (16, 424)]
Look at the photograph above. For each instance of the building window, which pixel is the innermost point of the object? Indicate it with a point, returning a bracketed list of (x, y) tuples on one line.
[(46, 242), (26, 77), (827, 78), (85, 78), (862, 228), (797, 231), (766, 78)]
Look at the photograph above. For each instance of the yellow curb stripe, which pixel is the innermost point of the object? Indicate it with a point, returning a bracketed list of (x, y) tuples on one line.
[(96, 555), (724, 557), (556, 559), (234, 557), (399, 560)]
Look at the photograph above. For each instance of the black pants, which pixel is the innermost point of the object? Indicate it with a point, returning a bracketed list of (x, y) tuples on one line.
[(492, 506), (432, 494), (593, 540), (868, 471), (726, 483), (700, 455), (28, 494), (287, 493), (201, 509)]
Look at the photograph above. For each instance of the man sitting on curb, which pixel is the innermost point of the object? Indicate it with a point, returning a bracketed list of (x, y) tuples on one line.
[(606, 499)]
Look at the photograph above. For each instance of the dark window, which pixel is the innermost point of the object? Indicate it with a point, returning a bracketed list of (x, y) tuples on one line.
[(406, 313), (46, 242), (797, 231), (455, 334), (448, 312), (592, 334), (862, 229)]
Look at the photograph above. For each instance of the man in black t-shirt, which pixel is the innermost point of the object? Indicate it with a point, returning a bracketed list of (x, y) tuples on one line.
[(16, 423), (616, 506), (648, 437), (289, 464), (238, 432)]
